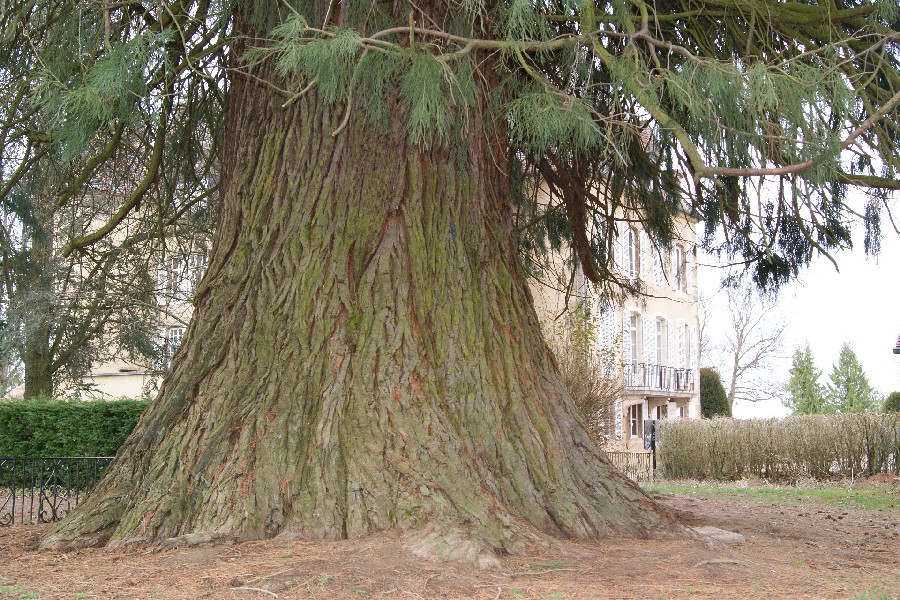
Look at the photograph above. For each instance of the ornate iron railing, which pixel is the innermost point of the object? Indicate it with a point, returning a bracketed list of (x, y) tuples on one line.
[(43, 490), (658, 377)]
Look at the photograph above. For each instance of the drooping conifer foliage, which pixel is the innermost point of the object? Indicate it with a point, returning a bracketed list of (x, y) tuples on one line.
[(756, 116), (106, 152), (364, 354)]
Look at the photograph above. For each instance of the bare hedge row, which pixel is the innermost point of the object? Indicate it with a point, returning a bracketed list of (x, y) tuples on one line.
[(818, 446)]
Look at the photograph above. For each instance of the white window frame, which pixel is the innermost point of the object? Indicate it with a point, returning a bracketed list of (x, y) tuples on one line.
[(174, 337), (633, 337), (179, 275), (660, 341), (635, 420), (632, 253), (678, 268)]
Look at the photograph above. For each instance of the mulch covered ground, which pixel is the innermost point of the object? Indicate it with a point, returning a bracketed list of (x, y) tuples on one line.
[(790, 551)]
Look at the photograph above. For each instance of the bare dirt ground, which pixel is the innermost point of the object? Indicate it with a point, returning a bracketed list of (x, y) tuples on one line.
[(791, 551)]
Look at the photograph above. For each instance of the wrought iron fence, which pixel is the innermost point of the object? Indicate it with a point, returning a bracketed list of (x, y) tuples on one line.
[(42, 490), (637, 466)]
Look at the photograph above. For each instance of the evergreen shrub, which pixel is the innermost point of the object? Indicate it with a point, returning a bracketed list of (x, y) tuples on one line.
[(892, 402), (713, 398), (57, 428)]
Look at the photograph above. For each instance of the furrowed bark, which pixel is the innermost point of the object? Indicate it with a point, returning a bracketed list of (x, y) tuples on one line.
[(364, 356)]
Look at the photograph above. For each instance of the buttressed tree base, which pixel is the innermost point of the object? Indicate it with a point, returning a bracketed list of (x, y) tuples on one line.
[(364, 354)]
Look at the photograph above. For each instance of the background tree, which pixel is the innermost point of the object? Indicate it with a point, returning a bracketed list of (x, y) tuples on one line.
[(364, 354), (892, 402), (805, 395), (706, 346), (713, 398), (749, 342), (848, 389), (80, 156)]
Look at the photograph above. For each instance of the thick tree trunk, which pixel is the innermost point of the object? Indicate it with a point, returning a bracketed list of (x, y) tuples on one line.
[(364, 355), (37, 298), (37, 359)]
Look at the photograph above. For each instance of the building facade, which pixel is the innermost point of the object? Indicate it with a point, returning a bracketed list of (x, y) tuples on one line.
[(177, 276), (654, 336)]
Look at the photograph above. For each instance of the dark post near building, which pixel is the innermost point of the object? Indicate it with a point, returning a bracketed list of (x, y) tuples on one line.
[(650, 441)]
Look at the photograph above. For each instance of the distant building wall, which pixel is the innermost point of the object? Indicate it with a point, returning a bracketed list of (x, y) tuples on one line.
[(655, 336)]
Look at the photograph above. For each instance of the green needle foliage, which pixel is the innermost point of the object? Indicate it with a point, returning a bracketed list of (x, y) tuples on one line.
[(848, 389), (713, 399), (892, 402), (805, 395), (752, 116)]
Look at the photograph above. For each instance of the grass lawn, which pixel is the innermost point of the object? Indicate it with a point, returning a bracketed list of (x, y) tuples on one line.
[(874, 498)]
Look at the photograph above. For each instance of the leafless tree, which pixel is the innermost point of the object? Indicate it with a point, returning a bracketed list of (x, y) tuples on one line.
[(752, 340), (705, 347)]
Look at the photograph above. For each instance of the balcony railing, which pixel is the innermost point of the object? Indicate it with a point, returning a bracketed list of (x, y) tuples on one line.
[(660, 378)]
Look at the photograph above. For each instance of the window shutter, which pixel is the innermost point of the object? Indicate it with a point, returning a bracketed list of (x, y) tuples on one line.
[(688, 280), (618, 409), (643, 261), (670, 333), (680, 327), (159, 340), (620, 252), (627, 350), (648, 324), (608, 328), (196, 269), (658, 277), (673, 258), (162, 281)]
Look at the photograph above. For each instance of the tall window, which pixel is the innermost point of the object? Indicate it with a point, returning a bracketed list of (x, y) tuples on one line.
[(635, 420), (179, 275), (174, 335), (660, 341), (631, 350), (688, 350), (678, 268), (632, 253)]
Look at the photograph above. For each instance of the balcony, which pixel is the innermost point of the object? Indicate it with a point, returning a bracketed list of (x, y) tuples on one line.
[(650, 378)]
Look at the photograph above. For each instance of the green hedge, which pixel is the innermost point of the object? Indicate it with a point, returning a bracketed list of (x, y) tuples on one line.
[(38, 428)]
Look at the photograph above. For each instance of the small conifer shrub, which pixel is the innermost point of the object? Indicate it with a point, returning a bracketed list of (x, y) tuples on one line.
[(892, 402), (713, 399)]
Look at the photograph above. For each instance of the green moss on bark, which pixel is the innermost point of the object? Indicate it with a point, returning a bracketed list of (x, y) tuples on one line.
[(364, 356)]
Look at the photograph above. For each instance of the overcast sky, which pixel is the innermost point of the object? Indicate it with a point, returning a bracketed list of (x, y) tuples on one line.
[(859, 305)]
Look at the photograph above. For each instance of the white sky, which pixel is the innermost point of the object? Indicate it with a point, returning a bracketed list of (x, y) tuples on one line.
[(860, 305)]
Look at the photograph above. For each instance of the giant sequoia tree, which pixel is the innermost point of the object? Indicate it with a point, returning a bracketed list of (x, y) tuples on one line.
[(364, 354)]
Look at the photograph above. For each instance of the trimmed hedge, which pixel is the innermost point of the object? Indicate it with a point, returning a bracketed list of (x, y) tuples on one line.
[(43, 428), (818, 446)]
